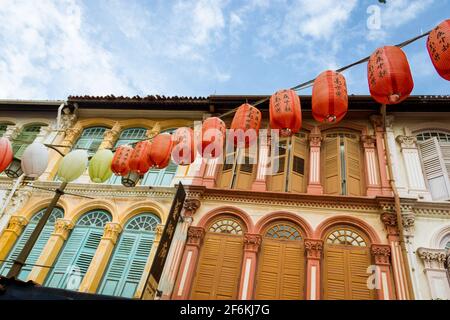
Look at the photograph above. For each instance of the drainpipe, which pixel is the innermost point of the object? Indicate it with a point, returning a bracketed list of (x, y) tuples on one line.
[(398, 211)]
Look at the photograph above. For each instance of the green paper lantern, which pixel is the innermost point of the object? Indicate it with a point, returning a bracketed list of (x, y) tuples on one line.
[(100, 166), (73, 165)]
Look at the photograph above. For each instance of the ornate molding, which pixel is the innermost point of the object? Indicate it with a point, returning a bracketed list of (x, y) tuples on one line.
[(368, 141), (390, 121), (63, 227), (381, 254), (72, 134), (68, 119), (389, 220), (11, 132), (112, 231), (313, 248), (433, 258), (315, 139), (154, 131), (110, 136), (377, 121), (408, 220), (16, 224), (159, 231), (195, 236), (407, 142), (18, 201), (252, 242), (191, 206)]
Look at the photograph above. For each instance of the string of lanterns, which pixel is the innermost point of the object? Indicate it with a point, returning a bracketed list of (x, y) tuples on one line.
[(390, 82)]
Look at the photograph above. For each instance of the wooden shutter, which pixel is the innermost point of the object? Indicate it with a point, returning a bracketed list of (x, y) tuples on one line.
[(344, 273), (281, 272), (331, 166), (245, 171), (277, 181), (353, 167), (445, 149), (299, 156), (219, 268), (127, 264), (435, 169), (227, 171)]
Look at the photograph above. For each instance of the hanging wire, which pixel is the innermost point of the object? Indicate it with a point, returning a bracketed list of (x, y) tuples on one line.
[(53, 190)]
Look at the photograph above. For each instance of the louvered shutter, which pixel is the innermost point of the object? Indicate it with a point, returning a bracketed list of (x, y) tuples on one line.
[(127, 264), (280, 273), (297, 178), (334, 274), (358, 260), (219, 268), (353, 167), (445, 149), (226, 173), (277, 180), (245, 172), (435, 169), (331, 166)]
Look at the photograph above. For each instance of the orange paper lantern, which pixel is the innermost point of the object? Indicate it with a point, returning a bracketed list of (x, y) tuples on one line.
[(389, 75), (6, 153), (161, 150), (140, 160), (183, 152), (121, 160), (285, 112), (329, 97), (246, 122), (438, 45), (213, 136)]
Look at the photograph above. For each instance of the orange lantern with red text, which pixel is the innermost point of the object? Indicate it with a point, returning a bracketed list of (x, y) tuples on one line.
[(183, 152), (161, 150), (213, 136), (6, 154), (246, 124), (389, 75), (438, 45), (120, 165), (140, 161), (329, 97), (285, 112)]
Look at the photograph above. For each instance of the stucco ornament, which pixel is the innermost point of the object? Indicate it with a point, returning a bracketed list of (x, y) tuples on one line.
[(433, 258)]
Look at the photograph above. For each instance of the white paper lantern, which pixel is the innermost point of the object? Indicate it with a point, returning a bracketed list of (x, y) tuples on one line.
[(34, 160), (73, 165)]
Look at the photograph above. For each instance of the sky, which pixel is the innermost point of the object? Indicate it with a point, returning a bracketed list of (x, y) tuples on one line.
[(50, 49)]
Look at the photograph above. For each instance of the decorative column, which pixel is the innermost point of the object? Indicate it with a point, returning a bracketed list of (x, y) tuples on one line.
[(391, 147), (148, 265), (314, 184), (381, 254), (413, 167), (11, 133), (72, 135), (377, 122), (263, 160), (314, 249), (252, 243), (188, 263), (435, 271), (209, 179), (10, 235), (100, 260), (401, 284), (371, 163), (176, 249), (110, 137), (51, 251)]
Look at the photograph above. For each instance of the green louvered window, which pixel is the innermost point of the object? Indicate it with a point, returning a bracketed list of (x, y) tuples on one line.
[(24, 139), (130, 256), (127, 136), (38, 246), (78, 252), (3, 128), (160, 177), (90, 139)]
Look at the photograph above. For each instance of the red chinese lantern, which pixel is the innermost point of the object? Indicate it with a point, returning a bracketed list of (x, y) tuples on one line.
[(140, 161), (183, 152), (161, 150), (329, 97), (213, 135), (246, 122), (389, 75), (285, 112), (6, 153), (438, 45), (121, 161)]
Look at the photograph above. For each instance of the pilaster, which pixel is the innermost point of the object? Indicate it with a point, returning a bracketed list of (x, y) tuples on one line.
[(314, 250), (252, 243)]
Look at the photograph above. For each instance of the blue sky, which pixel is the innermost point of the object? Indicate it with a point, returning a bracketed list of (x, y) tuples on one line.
[(52, 49)]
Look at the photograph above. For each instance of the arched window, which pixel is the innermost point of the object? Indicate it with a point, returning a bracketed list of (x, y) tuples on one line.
[(281, 263), (24, 139), (38, 246), (291, 161), (220, 261), (3, 127), (445, 242), (346, 259), (434, 148), (160, 177), (342, 163), (79, 249), (90, 139), (130, 256), (128, 136)]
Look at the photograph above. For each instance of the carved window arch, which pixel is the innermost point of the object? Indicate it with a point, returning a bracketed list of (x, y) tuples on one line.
[(131, 135), (143, 222), (56, 214), (445, 242), (283, 230), (227, 224), (95, 218), (347, 236)]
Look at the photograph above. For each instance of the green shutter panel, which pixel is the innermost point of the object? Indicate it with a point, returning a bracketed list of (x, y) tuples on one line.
[(20, 243)]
